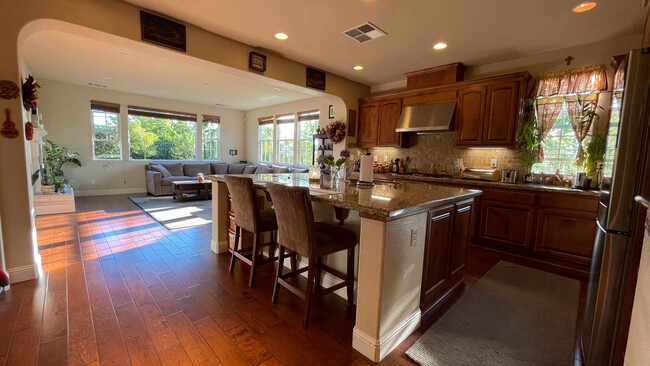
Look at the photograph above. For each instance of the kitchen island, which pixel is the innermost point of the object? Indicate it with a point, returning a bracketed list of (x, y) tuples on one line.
[(398, 225)]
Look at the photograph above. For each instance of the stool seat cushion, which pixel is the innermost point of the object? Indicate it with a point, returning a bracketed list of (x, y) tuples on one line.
[(332, 238), (268, 221)]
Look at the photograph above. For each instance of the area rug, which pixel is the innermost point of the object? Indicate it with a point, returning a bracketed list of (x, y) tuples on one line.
[(514, 315), (173, 214)]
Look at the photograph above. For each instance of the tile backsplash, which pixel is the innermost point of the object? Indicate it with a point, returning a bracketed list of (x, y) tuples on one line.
[(434, 153)]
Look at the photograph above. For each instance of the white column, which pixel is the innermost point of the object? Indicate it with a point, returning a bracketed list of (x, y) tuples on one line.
[(390, 280), (219, 243)]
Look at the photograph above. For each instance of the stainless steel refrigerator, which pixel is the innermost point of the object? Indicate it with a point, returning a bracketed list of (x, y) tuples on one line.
[(617, 216)]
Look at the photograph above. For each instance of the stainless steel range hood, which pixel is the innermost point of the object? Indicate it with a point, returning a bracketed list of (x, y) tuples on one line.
[(427, 118)]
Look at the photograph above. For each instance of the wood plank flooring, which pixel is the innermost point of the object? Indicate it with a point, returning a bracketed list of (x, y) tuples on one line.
[(120, 289)]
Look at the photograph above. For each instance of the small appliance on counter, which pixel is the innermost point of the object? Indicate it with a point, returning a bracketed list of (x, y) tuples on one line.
[(509, 176), (490, 175)]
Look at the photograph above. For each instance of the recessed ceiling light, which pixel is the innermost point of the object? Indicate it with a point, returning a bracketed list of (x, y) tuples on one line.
[(585, 6), (440, 46), (358, 67), (206, 84), (124, 53), (276, 89), (281, 36)]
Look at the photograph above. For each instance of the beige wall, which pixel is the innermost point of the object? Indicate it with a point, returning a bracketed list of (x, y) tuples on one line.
[(591, 54), (66, 116), (102, 19), (322, 104)]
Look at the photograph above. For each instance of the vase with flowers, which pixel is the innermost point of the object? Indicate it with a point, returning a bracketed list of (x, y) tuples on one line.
[(335, 165)]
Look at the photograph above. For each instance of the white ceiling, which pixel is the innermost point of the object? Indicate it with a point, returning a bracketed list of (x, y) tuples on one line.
[(478, 31), (144, 70)]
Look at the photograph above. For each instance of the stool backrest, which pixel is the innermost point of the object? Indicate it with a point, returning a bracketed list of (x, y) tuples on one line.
[(242, 194), (295, 217)]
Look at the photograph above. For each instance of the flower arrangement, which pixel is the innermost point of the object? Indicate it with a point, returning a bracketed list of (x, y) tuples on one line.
[(345, 154), (30, 93), (336, 131)]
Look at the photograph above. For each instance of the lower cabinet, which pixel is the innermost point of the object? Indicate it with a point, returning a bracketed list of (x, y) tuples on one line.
[(445, 253)]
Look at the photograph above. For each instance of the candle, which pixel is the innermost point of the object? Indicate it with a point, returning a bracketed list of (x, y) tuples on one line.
[(314, 172)]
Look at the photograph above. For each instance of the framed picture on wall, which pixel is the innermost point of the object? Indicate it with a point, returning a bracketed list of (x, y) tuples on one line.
[(257, 61), (162, 31), (315, 79), (352, 123), (331, 113)]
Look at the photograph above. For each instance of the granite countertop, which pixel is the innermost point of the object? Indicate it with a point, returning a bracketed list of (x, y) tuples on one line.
[(384, 200), (480, 183)]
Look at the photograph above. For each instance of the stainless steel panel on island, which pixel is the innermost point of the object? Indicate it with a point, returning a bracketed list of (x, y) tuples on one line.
[(393, 221)]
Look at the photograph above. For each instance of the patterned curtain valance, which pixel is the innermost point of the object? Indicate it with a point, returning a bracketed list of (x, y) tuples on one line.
[(575, 81)]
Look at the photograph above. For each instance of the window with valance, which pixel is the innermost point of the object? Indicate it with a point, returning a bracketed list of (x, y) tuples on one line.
[(560, 97)]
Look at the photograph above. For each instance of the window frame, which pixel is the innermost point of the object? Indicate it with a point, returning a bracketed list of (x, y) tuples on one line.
[(265, 121), (105, 107), (303, 117), (165, 114), (206, 118), (283, 117)]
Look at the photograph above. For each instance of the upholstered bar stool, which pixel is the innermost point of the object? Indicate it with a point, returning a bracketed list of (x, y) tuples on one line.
[(249, 218), (298, 232)]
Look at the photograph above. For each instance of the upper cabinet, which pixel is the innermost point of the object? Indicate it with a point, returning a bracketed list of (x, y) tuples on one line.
[(377, 123), (487, 112)]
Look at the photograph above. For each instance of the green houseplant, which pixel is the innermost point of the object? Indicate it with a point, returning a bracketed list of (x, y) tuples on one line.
[(595, 149), (528, 137), (51, 172)]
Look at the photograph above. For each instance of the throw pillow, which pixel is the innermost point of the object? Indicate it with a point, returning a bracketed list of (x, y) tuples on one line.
[(176, 169), (250, 169), (219, 168), (162, 170)]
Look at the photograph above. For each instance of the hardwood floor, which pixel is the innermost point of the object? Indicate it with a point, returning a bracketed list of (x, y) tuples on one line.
[(118, 289)]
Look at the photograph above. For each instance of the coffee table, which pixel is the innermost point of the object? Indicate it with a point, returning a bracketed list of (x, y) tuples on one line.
[(183, 186)]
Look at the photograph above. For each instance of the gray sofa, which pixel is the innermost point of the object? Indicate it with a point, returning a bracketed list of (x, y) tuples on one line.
[(159, 179)]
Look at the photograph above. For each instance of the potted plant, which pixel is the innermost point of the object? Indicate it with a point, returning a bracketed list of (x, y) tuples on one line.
[(529, 138), (594, 153), (51, 172), (335, 165)]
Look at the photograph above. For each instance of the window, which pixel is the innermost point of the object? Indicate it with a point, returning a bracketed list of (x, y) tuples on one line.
[(285, 138), (210, 137), (106, 130), (161, 135), (307, 125), (560, 147), (612, 133), (266, 137)]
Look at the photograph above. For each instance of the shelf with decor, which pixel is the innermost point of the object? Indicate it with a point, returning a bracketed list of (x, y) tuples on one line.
[(322, 146)]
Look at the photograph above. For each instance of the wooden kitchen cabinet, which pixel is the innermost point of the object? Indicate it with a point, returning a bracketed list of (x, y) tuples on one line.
[(507, 218), (471, 113), (368, 124), (377, 123), (445, 253), (502, 114)]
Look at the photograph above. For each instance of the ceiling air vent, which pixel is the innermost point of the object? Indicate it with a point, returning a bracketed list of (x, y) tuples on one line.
[(365, 32)]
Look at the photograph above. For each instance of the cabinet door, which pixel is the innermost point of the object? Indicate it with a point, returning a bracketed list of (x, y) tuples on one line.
[(389, 113), (460, 238), (471, 113), (507, 224), (501, 114), (566, 234), (368, 124), (436, 255)]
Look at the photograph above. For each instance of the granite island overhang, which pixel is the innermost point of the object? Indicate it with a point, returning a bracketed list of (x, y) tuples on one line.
[(394, 218)]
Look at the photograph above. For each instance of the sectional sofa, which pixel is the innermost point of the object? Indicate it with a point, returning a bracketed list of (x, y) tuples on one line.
[(159, 176)]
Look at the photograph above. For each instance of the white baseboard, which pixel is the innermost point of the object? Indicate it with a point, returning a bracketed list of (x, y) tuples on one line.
[(23, 273), (219, 247), (377, 349), (107, 192)]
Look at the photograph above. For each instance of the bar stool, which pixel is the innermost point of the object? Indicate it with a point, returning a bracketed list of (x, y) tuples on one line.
[(249, 218), (299, 233)]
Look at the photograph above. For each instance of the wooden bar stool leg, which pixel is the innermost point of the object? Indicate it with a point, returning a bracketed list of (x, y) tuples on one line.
[(311, 273), (318, 272), (234, 248), (278, 273), (253, 259), (294, 261), (350, 276)]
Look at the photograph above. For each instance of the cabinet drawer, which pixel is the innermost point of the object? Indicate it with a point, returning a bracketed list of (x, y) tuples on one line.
[(566, 234), (509, 196), (575, 203), (231, 223), (438, 97)]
